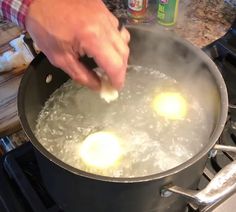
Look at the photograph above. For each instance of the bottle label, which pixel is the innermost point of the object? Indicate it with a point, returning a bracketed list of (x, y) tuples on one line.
[(167, 11), (164, 1), (135, 5)]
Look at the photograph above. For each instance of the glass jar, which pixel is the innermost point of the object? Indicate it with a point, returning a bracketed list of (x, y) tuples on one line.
[(141, 11)]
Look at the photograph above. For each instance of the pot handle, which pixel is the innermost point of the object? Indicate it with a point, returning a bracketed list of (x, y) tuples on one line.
[(220, 186), (225, 148)]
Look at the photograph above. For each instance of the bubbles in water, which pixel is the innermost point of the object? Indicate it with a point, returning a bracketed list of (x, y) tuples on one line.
[(150, 143)]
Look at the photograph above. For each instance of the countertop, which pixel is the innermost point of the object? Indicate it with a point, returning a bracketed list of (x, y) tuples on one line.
[(199, 21)]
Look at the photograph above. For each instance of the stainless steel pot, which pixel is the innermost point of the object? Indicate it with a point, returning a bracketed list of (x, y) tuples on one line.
[(76, 190)]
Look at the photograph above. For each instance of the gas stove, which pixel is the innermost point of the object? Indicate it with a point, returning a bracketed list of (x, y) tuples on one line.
[(21, 185), (223, 53)]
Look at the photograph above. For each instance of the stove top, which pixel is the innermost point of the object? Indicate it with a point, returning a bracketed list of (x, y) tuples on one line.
[(21, 186), (22, 189)]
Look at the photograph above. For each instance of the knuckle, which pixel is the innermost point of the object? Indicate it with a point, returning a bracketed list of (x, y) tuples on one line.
[(92, 31), (116, 22), (127, 51), (127, 35), (54, 61), (118, 63), (59, 63), (81, 78)]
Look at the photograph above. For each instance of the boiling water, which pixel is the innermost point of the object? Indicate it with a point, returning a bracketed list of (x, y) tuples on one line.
[(150, 143)]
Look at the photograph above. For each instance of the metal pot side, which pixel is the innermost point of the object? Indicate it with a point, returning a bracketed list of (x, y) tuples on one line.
[(81, 191)]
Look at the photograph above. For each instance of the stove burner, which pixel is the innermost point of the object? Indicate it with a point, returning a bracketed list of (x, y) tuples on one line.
[(228, 137), (19, 168), (21, 185), (22, 188), (223, 53), (233, 137)]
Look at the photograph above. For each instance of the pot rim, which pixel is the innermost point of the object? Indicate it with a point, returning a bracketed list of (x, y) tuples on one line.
[(220, 123)]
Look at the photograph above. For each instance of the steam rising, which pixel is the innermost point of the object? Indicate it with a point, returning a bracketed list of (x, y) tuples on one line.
[(178, 59), (151, 143)]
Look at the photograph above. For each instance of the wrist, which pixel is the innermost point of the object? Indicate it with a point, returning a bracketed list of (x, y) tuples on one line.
[(21, 18), (15, 11)]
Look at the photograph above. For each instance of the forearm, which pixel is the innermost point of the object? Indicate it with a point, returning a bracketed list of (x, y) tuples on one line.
[(14, 10)]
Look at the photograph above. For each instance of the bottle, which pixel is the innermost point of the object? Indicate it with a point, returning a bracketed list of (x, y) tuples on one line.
[(167, 11), (137, 9), (141, 11)]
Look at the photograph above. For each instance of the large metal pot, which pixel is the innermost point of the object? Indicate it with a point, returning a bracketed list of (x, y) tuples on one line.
[(76, 190)]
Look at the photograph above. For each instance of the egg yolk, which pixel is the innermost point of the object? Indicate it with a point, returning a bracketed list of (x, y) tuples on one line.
[(170, 105), (100, 150)]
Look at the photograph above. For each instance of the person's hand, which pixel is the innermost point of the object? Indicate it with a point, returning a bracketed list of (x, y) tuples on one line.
[(64, 30)]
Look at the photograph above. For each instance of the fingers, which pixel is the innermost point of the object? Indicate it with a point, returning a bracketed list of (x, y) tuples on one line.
[(110, 60), (119, 36), (114, 21), (123, 32), (81, 74), (107, 45), (125, 35), (118, 43), (115, 62), (110, 51), (77, 71)]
